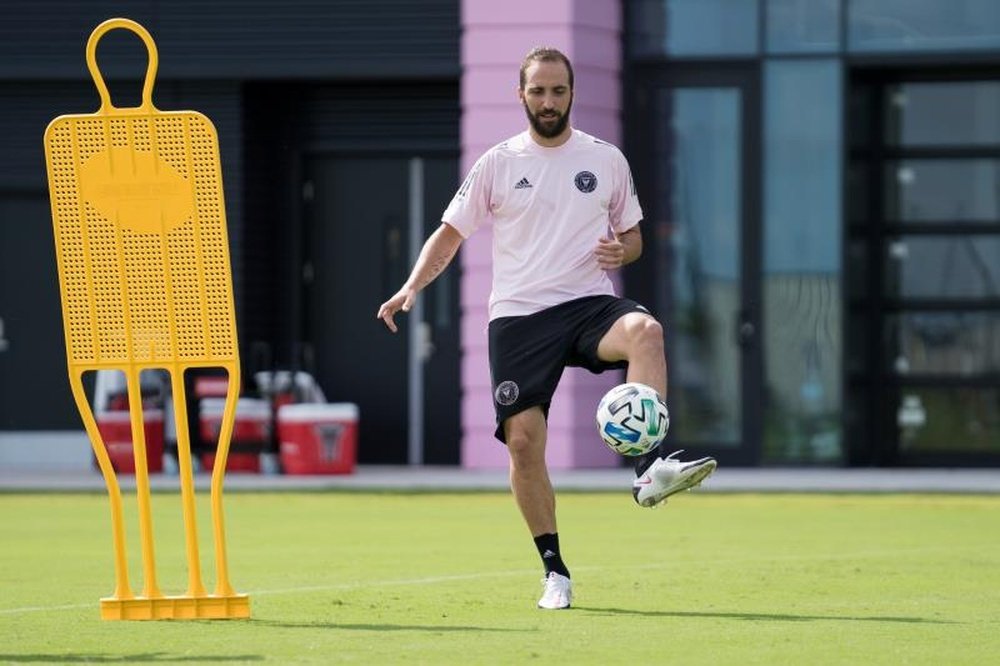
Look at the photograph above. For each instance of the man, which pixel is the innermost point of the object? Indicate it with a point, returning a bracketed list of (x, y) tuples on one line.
[(564, 213)]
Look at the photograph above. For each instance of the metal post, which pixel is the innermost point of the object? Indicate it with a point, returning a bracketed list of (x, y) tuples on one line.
[(418, 333)]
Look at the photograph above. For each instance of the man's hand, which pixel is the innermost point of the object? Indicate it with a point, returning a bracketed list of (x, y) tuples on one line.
[(610, 253), (402, 300)]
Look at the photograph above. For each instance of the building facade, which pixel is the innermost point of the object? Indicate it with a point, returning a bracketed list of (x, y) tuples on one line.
[(819, 177), (821, 180)]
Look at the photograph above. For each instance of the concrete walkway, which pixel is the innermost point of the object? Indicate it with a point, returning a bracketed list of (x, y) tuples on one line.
[(424, 479)]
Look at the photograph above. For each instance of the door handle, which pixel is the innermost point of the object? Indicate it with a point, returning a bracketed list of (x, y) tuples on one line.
[(426, 343), (4, 343), (745, 330)]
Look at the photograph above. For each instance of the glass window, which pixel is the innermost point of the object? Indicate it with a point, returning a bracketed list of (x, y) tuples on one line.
[(943, 267), (905, 25), (803, 26), (802, 248), (963, 113), (693, 27), (802, 155), (943, 190), (942, 343), (948, 420), (702, 156)]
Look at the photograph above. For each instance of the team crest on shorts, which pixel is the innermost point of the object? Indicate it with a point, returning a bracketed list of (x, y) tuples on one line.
[(586, 182), (506, 393)]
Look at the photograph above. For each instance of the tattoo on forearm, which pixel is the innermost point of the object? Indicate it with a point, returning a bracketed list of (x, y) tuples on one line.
[(435, 268)]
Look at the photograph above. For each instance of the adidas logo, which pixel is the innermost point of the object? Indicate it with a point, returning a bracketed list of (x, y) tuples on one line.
[(548, 553), (522, 184)]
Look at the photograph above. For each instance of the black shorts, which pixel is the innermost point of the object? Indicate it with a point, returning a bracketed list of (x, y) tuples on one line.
[(528, 354)]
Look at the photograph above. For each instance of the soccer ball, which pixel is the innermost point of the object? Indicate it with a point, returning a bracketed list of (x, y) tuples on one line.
[(632, 419)]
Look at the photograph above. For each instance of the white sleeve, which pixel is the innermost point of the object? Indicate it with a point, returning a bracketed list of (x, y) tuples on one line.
[(625, 211), (471, 204)]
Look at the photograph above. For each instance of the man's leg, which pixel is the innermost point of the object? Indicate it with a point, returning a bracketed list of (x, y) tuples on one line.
[(637, 338), (525, 433), (529, 477)]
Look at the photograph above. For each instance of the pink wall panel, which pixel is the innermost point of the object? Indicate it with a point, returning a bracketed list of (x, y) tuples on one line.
[(496, 36)]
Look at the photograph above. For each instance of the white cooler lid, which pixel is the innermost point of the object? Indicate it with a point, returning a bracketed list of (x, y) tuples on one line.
[(123, 416), (253, 408), (309, 412)]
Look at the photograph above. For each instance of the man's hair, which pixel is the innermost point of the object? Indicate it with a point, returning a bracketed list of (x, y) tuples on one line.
[(545, 54)]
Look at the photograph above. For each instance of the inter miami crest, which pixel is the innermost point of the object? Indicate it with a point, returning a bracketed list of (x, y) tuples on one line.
[(506, 393), (586, 182)]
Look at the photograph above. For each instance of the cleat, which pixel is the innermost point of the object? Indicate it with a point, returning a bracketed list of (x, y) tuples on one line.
[(558, 592), (668, 476)]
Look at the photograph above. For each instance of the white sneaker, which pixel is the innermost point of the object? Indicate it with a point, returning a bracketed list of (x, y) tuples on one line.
[(667, 476), (558, 592)]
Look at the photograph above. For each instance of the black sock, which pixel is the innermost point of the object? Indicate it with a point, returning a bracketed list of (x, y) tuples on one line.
[(643, 462), (548, 549)]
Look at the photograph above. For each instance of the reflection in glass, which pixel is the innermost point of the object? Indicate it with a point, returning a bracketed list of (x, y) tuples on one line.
[(803, 337), (961, 113), (904, 25), (803, 26), (692, 27), (958, 267), (943, 343), (943, 190), (702, 159), (948, 420)]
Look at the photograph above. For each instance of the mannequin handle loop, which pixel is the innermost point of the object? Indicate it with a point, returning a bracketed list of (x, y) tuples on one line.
[(95, 72)]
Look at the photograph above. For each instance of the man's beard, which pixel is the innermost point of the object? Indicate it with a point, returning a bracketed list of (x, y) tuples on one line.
[(549, 131)]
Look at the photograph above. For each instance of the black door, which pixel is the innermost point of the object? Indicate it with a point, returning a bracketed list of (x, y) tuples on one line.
[(923, 267), (696, 148), (357, 254), (34, 389)]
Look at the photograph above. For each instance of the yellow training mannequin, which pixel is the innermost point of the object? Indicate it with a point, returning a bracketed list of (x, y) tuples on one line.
[(145, 280)]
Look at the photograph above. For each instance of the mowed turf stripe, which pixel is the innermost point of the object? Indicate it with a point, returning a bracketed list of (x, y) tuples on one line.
[(432, 580)]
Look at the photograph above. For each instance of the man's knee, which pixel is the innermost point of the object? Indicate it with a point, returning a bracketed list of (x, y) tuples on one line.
[(525, 438), (521, 447), (645, 332)]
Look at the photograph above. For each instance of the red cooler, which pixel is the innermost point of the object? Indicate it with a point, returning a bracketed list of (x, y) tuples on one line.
[(251, 433), (116, 431), (318, 438)]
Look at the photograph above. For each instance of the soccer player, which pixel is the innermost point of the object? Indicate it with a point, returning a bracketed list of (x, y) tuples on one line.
[(564, 213)]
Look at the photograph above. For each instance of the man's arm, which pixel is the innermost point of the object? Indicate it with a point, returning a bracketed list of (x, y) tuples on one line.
[(438, 251), (615, 252)]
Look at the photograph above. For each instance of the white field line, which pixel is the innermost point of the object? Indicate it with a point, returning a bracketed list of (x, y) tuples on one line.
[(433, 580)]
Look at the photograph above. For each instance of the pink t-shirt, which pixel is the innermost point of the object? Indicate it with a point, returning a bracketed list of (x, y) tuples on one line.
[(548, 207)]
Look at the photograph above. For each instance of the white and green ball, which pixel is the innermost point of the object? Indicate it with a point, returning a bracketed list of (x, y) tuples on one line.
[(632, 419)]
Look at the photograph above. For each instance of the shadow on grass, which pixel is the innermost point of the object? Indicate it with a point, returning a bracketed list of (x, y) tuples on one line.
[(377, 627), (142, 657), (773, 617)]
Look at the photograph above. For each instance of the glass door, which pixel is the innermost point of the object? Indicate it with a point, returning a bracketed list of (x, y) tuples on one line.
[(701, 261), (924, 256)]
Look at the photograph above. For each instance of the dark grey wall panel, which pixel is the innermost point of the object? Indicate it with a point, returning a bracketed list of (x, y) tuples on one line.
[(243, 39), (370, 117), (26, 109)]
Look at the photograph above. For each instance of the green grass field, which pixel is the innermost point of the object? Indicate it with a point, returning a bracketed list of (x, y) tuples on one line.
[(453, 579)]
